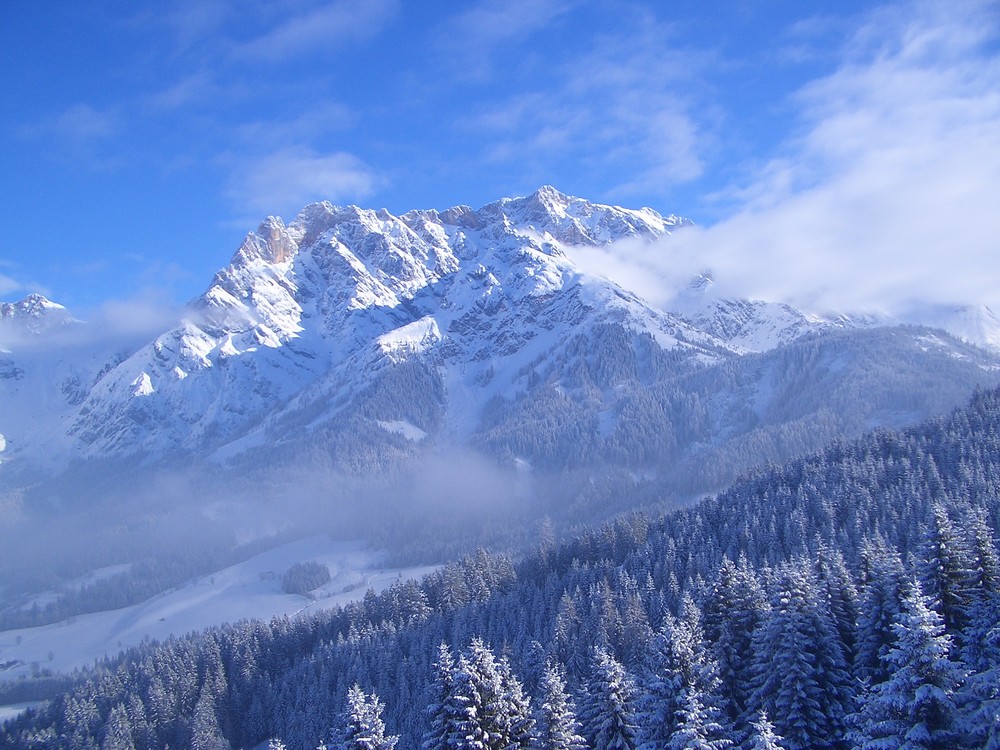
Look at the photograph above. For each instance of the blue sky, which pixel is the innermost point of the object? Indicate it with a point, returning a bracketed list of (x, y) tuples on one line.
[(839, 146)]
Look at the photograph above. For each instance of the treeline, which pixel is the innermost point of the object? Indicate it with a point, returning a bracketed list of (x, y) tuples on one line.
[(849, 599)]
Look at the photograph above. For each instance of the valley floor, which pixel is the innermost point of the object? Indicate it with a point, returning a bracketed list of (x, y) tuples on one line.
[(251, 589)]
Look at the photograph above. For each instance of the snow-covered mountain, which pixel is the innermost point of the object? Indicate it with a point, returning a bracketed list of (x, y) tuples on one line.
[(350, 328), (752, 325), (424, 381), (307, 315), (27, 320)]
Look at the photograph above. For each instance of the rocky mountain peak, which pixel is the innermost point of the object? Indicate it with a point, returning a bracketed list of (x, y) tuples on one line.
[(35, 314), (34, 305)]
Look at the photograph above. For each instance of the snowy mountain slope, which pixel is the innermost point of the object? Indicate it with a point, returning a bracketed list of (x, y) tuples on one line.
[(308, 316), (759, 325), (977, 324), (370, 337), (46, 370), (33, 316), (753, 325), (370, 372)]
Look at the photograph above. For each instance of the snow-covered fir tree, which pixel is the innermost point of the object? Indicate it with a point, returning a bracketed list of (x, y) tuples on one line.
[(947, 568), (683, 684), (556, 725), (444, 710), (801, 677), (735, 606), (492, 711), (762, 734), (696, 728), (609, 712), (981, 656), (119, 732), (917, 706), (361, 727), (880, 602)]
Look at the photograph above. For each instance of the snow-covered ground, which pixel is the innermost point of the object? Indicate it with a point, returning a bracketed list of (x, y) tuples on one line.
[(14, 710), (251, 589)]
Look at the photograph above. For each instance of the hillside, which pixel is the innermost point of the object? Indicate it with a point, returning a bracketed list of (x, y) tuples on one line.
[(426, 382), (807, 565)]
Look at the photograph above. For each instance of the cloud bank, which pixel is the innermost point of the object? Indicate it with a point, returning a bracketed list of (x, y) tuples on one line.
[(886, 195)]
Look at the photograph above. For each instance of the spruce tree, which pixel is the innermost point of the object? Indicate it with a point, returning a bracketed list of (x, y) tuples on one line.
[(696, 728), (493, 712), (118, 735), (801, 677), (557, 727), (205, 731), (361, 726), (880, 602), (916, 707), (684, 676), (608, 717), (948, 571), (981, 655), (443, 710), (762, 734), (735, 607)]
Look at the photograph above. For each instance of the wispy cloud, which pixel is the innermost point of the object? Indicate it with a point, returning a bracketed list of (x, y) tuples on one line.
[(9, 285), (470, 38), (628, 105), (80, 131), (190, 22), (327, 25), (197, 87), (888, 193), (285, 180), (133, 319), (314, 123)]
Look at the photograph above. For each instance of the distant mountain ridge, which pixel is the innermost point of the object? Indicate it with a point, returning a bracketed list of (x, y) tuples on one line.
[(369, 334), (33, 315)]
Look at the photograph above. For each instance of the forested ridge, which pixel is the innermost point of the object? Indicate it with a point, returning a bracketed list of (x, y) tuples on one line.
[(848, 599)]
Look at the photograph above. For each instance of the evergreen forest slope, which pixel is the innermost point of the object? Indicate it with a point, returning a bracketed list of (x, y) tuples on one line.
[(847, 599)]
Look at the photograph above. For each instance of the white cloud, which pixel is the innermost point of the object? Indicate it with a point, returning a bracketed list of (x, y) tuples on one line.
[(627, 105), (470, 38), (318, 120), (80, 130), (284, 181), (83, 122), (195, 88), (120, 324), (141, 316), (889, 193), (190, 21), (9, 285), (327, 25)]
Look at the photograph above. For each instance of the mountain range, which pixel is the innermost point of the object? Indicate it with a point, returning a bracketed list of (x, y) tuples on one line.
[(437, 327), (426, 382)]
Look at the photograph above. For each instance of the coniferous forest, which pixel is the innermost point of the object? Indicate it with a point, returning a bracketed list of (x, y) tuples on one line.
[(850, 599)]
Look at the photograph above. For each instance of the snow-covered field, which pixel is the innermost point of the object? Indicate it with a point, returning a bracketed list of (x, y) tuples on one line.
[(251, 589)]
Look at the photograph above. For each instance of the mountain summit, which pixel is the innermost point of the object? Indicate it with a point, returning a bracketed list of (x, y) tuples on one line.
[(366, 338), (310, 316), (34, 315)]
